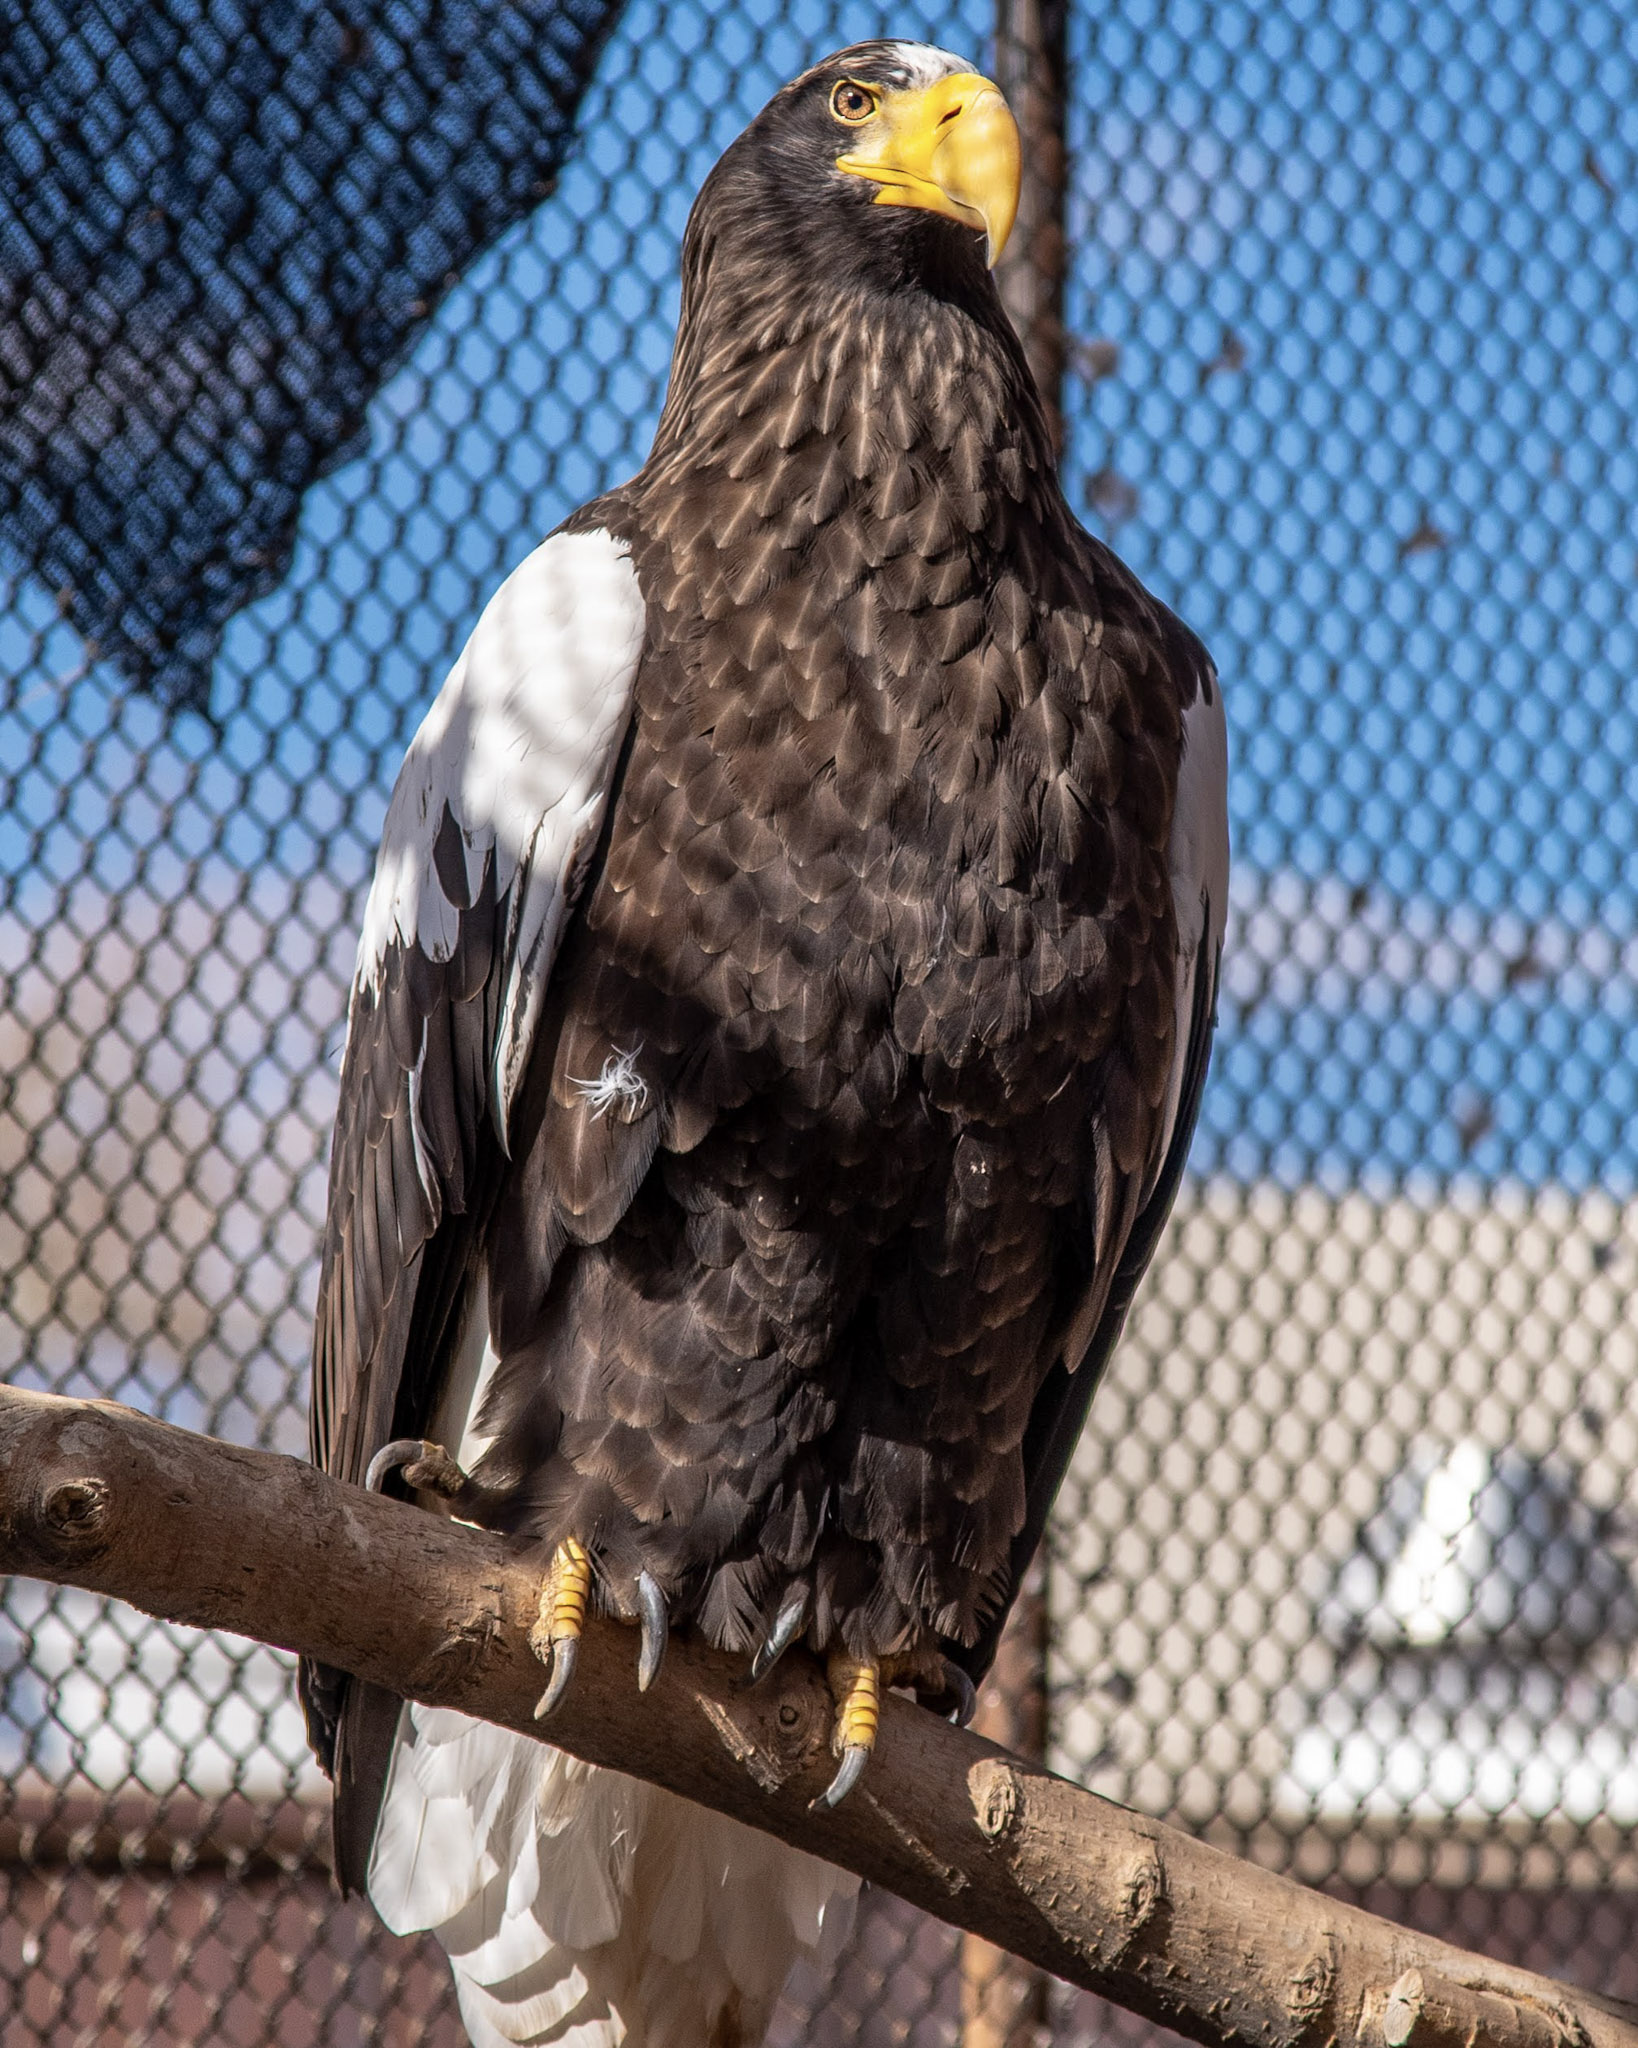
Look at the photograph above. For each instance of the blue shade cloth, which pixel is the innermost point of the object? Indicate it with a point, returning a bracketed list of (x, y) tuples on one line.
[(221, 225)]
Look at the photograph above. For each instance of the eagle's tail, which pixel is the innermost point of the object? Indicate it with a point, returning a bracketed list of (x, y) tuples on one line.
[(582, 1908)]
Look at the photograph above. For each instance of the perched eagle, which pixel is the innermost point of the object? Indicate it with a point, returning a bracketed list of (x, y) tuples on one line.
[(780, 1018)]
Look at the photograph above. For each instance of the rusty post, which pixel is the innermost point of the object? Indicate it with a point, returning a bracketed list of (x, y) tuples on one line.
[(1031, 57)]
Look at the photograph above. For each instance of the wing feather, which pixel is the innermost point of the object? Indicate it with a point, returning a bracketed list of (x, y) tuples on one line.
[(489, 821), (1124, 1224)]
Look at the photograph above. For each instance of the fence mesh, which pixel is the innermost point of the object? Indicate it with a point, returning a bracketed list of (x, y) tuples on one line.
[(1342, 1578)]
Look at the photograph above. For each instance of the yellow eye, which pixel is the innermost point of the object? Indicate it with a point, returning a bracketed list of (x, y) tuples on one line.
[(851, 102)]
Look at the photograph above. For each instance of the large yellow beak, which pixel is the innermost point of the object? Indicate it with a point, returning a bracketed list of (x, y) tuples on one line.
[(949, 148)]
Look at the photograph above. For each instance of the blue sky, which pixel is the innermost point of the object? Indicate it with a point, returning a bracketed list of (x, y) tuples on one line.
[(1370, 271), (1369, 279)]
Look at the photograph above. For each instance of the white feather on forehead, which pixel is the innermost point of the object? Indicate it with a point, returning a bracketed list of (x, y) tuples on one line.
[(926, 65)]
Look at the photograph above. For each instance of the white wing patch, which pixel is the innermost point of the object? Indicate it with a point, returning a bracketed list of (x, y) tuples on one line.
[(1199, 859), (520, 745)]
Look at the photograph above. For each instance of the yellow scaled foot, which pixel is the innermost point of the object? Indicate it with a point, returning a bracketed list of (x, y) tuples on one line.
[(555, 1637), (856, 1687)]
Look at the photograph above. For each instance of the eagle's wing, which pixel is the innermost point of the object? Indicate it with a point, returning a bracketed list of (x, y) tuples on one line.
[(491, 824), (1199, 861)]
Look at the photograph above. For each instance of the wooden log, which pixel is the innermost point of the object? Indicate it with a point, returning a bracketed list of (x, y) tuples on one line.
[(217, 1536)]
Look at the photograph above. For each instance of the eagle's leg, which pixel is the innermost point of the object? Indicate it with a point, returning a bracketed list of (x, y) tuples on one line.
[(857, 1685), (555, 1637), (566, 1589)]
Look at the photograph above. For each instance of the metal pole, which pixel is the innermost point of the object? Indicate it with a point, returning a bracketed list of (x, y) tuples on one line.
[(1004, 2001), (1031, 58)]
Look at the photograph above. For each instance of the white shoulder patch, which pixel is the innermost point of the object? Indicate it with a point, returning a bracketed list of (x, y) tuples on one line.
[(519, 745)]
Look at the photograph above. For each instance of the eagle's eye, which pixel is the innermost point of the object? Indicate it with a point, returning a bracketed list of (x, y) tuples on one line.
[(851, 102)]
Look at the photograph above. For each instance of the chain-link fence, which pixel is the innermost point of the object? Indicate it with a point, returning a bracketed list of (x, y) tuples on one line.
[(1342, 1576)]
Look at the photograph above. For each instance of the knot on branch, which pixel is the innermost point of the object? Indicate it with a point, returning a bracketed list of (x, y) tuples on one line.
[(773, 1735), (993, 1787), (73, 1516), (1313, 1981), (1142, 1891)]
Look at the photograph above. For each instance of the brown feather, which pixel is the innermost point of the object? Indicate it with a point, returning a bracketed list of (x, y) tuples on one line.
[(882, 915)]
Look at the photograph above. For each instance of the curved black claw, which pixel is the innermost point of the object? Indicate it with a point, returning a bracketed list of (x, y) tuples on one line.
[(565, 1655), (788, 1625), (848, 1775), (966, 1693), (403, 1450), (656, 1626)]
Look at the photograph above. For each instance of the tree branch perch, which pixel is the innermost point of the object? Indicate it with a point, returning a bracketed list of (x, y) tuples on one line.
[(97, 1496)]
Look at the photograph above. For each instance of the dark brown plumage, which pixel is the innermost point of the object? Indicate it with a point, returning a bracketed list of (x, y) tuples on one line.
[(881, 908)]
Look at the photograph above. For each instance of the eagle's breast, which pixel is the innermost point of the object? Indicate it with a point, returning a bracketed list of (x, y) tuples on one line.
[(883, 937)]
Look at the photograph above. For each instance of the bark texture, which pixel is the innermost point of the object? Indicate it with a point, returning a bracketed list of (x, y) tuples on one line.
[(216, 1536)]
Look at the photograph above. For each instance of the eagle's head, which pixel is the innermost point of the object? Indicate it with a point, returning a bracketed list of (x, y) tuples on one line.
[(846, 239), (876, 162)]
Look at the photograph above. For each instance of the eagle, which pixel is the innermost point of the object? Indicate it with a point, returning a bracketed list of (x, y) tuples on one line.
[(781, 1012)]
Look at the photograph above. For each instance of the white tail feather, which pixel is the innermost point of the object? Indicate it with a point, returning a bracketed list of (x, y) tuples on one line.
[(582, 1908), (552, 2001)]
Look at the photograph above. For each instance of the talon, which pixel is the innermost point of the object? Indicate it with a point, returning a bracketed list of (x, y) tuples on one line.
[(656, 1625), (788, 1625), (555, 1637), (565, 1656), (425, 1465), (852, 1770), (957, 1681), (856, 1686)]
